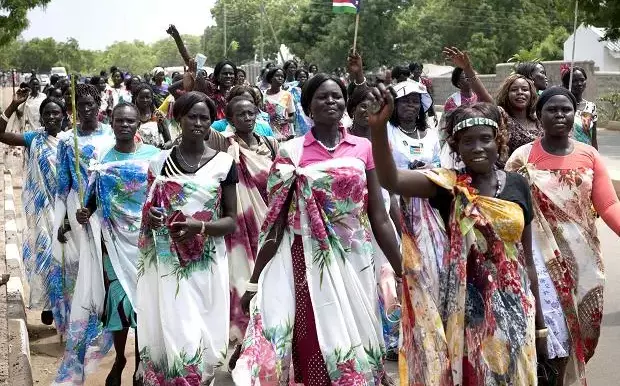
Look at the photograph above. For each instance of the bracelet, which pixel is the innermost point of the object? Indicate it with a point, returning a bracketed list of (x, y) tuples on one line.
[(202, 229), (542, 333), (4, 118), (359, 84), (251, 287)]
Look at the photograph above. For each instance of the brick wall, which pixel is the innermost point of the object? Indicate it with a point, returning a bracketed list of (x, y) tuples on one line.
[(599, 83)]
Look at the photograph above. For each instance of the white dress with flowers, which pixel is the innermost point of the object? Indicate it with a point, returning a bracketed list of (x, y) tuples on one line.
[(183, 299)]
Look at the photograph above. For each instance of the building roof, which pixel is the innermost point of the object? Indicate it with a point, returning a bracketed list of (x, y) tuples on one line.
[(613, 46)]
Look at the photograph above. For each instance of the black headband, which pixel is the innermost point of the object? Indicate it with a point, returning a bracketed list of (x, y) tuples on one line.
[(551, 92)]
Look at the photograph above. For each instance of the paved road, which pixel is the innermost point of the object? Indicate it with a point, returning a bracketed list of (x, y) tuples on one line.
[(47, 350)]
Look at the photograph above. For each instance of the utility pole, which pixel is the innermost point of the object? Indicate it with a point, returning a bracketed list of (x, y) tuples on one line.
[(225, 37), (262, 40), (273, 32)]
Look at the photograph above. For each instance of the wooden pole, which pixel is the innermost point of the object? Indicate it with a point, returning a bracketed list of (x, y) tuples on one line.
[(273, 32), (357, 24), (225, 37), (572, 61)]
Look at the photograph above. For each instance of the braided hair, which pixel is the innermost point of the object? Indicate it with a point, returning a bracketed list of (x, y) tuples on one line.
[(83, 90)]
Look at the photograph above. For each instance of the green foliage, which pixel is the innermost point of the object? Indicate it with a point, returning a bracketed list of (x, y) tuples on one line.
[(609, 107), (602, 14), (14, 17)]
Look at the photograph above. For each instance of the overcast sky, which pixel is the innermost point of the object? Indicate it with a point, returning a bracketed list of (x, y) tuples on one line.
[(89, 21)]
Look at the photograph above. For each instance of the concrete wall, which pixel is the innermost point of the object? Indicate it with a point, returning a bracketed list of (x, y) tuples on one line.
[(599, 83)]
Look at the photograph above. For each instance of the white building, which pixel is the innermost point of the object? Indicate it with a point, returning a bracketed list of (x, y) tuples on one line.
[(588, 46)]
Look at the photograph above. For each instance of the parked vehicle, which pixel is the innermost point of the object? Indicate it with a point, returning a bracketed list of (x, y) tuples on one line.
[(60, 71)]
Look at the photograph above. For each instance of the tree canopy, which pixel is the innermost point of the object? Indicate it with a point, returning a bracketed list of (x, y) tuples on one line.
[(391, 32), (14, 17)]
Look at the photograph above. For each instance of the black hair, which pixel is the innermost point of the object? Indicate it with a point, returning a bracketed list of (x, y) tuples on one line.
[(268, 64), (95, 80), (102, 73), (84, 90), (550, 93), (312, 64), (141, 87), (232, 102), (313, 84), (358, 96), (242, 89), (184, 104), (218, 68), (177, 77), (32, 79), (54, 78), (113, 69), (174, 74), (289, 63), (456, 76), (414, 65), (123, 105), (399, 71), (58, 101), (527, 69), (479, 109), (272, 72), (300, 71), (241, 70), (566, 75)]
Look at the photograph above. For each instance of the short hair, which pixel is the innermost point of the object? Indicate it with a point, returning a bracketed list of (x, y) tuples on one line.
[(123, 105), (58, 101), (527, 69), (420, 119), (54, 78), (232, 102), (360, 93), (480, 109), (301, 71), (566, 75), (241, 70), (313, 65), (456, 76), (218, 69), (272, 72), (242, 89), (141, 87), (289, 63), (95, 80), (399, 71), (414, 65), (32, 79), (503, 100), (184, 104), (313, 84), (83, 90)]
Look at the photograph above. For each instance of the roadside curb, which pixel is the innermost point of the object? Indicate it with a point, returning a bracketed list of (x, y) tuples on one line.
[(20, 368)]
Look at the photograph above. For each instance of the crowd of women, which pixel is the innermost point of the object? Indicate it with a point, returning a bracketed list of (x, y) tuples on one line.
[(321, 228)]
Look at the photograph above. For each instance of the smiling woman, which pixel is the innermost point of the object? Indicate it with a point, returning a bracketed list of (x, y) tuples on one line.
[(482, 207)]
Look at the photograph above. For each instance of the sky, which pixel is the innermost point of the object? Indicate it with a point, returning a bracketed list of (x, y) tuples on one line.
[(88, 21)]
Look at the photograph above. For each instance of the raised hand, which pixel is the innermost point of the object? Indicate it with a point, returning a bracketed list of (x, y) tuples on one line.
[(458, 57), (172, 30), (354, 63), (20, 96), (380, 111)]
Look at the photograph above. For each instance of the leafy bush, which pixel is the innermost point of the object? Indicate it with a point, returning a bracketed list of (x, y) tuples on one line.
[(609, 107)]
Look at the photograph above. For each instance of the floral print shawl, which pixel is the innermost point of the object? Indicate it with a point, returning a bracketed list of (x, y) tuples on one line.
[(565, 236), (329, 205), (480, 332), (183, 299)]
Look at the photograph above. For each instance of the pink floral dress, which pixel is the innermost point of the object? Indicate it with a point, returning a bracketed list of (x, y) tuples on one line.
[(329, 227)]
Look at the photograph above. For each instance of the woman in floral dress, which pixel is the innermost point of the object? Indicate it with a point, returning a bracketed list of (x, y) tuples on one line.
[(253, 154), (481, 331), (568, 178), (92, 139), (38, 195), (280, 105), (302, 122), (584, 128), (314, 292), (152, 129), (106, 283), (183, 298)]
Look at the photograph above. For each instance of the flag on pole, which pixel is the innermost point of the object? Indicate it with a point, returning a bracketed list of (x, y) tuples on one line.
[(346, 6)]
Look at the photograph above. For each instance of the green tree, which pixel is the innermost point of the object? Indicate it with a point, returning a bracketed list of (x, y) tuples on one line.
[(14, 17), (167, 54), (136, 56), (37, 54), (602, 14)]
